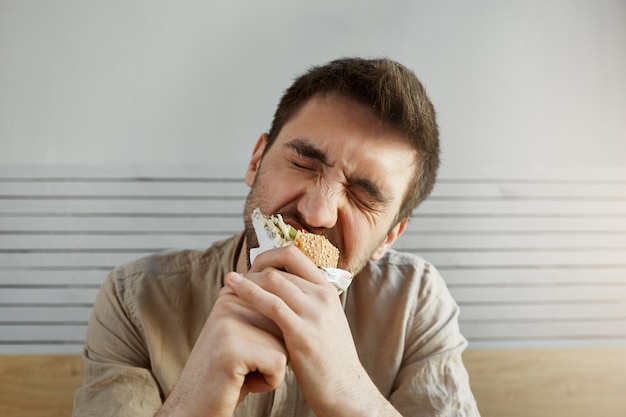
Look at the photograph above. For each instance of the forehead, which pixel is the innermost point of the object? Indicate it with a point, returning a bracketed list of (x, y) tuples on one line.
[(352, 140)]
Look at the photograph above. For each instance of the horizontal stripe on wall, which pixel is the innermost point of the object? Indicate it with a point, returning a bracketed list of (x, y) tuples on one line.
[(533, 259)]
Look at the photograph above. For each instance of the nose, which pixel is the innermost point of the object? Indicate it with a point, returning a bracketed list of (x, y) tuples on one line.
[(319, 205)]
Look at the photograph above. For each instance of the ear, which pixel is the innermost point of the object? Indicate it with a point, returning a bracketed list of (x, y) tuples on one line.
[(391, 237), (255, 160)]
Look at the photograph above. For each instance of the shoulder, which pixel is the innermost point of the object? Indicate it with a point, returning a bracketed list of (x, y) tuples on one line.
[(180, 264), (403, 281), (160, 288), (403, 270)]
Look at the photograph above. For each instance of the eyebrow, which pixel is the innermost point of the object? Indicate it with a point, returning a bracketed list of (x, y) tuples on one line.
[(308, 150)]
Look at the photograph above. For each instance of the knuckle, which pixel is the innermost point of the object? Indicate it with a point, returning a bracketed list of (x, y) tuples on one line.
[(273, 276), (292, 252), (280, 359), (276, 307), (251, 291), (328, 295)]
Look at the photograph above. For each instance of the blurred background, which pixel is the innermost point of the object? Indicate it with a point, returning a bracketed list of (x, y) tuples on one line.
[(195, 82), (125, 128)]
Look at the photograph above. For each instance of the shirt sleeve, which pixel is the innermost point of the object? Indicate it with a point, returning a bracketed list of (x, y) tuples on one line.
[(432, 380), (117, 377)]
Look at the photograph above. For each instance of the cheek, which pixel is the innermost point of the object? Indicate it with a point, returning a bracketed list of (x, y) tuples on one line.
[(354, 235), (289, 186), (276, 190), (361, 238)]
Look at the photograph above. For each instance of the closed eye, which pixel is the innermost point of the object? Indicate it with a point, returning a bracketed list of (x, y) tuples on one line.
[(368, 192), (364, 200), (302, 166), (365, 192)]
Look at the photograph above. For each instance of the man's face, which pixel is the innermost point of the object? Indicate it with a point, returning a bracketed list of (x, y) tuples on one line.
[(337, 171)]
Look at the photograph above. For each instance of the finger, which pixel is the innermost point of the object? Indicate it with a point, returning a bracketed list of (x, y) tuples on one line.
[(245, 312), (293, 290), (266, 358), (291, 260), (224, 290), (244, 347), (267, 303), (257, 382), (288, 258), (269, 374)]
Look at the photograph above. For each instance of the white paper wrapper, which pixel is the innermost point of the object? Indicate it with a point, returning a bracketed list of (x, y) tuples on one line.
[(340, 278)]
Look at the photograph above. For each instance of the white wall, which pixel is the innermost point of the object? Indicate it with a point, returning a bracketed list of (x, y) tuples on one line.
[(516, 83), (104, 103)]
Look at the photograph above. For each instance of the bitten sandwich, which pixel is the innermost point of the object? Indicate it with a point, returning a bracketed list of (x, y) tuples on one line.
[(272, 232)]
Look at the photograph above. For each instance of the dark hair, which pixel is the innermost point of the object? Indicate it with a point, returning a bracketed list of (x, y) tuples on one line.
[(396, 97)]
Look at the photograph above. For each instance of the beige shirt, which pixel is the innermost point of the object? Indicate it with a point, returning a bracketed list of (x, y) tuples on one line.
[(148, 315)]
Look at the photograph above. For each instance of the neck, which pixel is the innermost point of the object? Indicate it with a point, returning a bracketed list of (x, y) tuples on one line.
[(242, 259)]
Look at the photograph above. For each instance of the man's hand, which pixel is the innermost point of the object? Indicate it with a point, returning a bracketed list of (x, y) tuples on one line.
[(238, 351), (286, 287)]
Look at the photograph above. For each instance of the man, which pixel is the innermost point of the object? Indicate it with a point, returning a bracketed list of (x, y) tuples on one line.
[(352, 150)]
